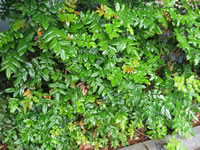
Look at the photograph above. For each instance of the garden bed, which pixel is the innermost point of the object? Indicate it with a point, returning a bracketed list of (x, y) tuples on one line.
[(141, 137)]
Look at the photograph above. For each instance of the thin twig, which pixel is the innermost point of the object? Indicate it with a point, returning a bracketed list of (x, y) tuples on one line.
[(143, 134)]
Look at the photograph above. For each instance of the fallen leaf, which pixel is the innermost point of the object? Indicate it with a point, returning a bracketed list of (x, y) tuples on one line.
[(52, 89), (170, 67), (84, 130), (39, 32), (84, 89), (99, 102), (109, 134), (72, 85), (82, 147), (130, 69), (77, 12), (81, 124), (27, 93), (47, 96), (167, 18), (85, 147), (95, 133)]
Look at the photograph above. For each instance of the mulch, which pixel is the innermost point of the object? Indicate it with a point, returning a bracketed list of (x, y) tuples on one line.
[(3, 146), (138, 138), (197, 123)]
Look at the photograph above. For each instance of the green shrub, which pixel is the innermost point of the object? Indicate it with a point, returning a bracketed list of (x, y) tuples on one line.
[(92, 77)]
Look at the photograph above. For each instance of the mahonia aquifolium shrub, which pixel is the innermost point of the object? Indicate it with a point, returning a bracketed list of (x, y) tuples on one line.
[(78, 73)]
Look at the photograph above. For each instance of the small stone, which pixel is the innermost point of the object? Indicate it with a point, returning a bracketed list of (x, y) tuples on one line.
[(137, 138)]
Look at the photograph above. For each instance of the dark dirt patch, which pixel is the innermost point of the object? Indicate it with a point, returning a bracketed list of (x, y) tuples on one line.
[(3, 146)]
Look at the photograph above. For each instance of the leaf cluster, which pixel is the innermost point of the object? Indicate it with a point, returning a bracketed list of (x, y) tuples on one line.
[(74, 78)]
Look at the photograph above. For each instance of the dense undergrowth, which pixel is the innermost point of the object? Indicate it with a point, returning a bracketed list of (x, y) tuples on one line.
[(91, 73)]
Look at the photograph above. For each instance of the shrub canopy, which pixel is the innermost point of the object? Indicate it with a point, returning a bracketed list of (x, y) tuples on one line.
[(78, 73)]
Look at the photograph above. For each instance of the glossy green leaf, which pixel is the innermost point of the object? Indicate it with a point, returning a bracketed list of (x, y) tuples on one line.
[(8, 73), (63, 55), (44, 108), (45, 24), (22, 47), (53, 43)]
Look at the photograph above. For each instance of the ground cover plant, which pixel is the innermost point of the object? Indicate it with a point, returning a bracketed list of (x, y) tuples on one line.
[(91, 74)]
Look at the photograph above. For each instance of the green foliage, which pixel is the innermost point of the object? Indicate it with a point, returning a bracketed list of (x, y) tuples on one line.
[(174, 144), (93, 77), (191, 87)]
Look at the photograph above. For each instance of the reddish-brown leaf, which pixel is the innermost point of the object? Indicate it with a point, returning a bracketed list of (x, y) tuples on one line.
[(27, 93), (95, 133), (84, 89), (39, 32)]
